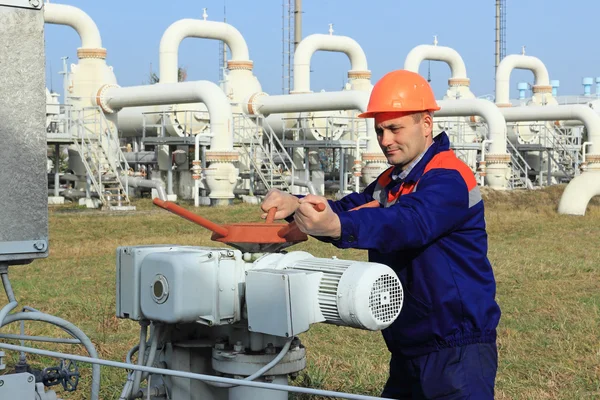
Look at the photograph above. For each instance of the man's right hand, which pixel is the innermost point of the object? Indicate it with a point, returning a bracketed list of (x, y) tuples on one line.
[(286, 203)]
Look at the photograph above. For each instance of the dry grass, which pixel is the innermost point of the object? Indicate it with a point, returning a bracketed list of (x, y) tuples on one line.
[(547, 267)]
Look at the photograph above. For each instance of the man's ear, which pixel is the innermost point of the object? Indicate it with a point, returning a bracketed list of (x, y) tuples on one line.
[(427, 123)]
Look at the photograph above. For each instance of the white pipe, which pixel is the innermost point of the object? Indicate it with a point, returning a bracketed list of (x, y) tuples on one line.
[(358, 162), (518, 61), (438, 53), (85, 27), (580, 112), (313, 43), (112, 98), (326, 101), (582, 188), (483, 143), (196, 170), (483, 108), (579, 192), (179, 30)]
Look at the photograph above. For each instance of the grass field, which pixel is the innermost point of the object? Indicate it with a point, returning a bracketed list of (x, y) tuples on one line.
[(547, 268)]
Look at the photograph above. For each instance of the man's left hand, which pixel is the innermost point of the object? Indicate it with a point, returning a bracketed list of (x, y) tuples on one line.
[(315, 223)]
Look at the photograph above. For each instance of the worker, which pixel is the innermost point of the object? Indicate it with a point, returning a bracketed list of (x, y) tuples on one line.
[(427, 225)]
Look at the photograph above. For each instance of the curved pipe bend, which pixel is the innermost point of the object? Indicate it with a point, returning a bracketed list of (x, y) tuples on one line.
[(437, 53), (579, 192), (579, 112), (84, 25), (209, 93), (313, 43), (483, 108), (184, 28), (518, 61)]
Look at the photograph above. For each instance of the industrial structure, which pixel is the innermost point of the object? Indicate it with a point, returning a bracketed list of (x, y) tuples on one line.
[(221, 322), (212, 142), (215, 322)]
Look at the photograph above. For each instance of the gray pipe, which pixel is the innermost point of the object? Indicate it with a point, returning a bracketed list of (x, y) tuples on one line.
[(71, 177), (189, 375), (141, 157), (76, 194), (73, 330), (154, 338), (135, 181), (39, 339), (12, 301), (137, 375), (303, 183)]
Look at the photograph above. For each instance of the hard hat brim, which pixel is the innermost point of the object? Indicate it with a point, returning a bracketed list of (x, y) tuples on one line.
[(371, 114)]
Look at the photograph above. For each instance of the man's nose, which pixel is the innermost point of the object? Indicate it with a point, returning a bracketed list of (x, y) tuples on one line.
[(386, 138)]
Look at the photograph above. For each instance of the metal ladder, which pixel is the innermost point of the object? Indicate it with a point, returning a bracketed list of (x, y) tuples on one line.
[(569, 154), (98, 145), (519, 177), (253, 133)]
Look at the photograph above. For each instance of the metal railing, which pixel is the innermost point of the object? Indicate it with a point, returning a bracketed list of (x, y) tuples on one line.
[(99, 146), (252, 132), (184, 123), (519, 168)]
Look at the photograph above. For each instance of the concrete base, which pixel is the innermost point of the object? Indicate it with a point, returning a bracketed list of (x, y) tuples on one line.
[(171, 197), (252, 199), (221, 202), (204, 201), (338, 195), (122, 208), (90, 203), (56, 200)]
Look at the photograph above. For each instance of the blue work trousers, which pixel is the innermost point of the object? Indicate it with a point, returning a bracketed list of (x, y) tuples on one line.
[(465, 372)]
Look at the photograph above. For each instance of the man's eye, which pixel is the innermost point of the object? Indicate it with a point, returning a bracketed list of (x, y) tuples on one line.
[(379, 131)]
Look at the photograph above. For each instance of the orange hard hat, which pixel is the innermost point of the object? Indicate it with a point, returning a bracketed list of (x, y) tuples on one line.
[(400, 91)]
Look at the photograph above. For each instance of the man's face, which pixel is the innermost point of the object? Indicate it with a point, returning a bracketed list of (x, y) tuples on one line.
[(401, 137)]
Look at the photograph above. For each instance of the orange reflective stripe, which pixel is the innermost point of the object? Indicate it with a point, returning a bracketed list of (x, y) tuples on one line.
[(447, 160), (371, 204), (386, 177), (404, 189)]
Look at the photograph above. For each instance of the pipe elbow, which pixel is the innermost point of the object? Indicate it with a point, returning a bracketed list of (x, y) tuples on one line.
[(343, 44), (77, 19), (518, 61), (438, 53), (188, 27), (579, 192), (184, 28), (313, 43)]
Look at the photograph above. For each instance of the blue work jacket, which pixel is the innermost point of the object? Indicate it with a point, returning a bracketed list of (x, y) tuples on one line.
[(430, 229)]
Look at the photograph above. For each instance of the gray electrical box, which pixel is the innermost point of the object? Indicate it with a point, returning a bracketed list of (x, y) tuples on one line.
[(17, 386), (129, 264), (277, 301), (23, 177)]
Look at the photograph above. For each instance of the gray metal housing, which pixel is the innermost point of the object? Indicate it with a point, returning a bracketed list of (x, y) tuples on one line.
[(23, 181)]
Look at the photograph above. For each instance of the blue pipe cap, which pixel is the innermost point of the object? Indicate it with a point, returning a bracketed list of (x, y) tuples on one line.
[(588, 81), (522, 86)]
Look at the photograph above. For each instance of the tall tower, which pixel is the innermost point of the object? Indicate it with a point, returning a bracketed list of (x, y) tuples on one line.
[(223, 50), (500, 32), (291, 35)]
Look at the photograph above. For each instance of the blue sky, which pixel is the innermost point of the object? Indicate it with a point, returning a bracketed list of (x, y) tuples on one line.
[(561, 33)]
